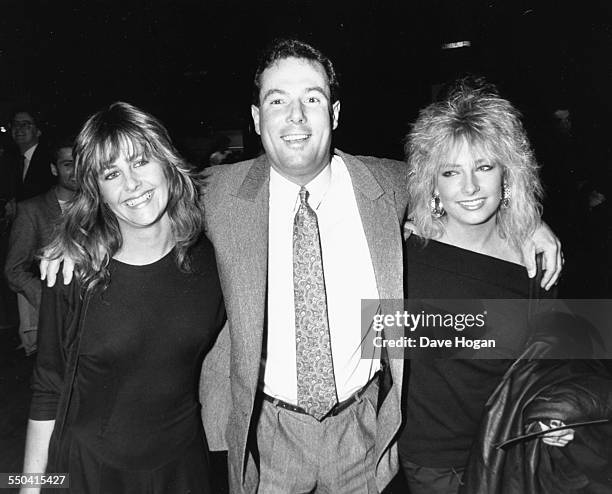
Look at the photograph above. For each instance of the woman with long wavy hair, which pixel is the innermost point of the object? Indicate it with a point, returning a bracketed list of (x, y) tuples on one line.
[(474, 200), (114, 388)]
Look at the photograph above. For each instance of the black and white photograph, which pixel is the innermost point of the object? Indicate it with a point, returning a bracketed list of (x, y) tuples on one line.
[(306, 247)]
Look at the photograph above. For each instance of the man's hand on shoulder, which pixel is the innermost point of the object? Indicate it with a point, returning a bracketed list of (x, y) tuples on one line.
[(544, 240), (50, 267), (409, 229)]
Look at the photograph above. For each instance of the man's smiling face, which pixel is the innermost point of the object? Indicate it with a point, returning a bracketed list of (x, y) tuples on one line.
[(295, 118), (24, 131)]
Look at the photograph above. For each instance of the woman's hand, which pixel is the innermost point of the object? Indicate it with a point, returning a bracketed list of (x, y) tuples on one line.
[(558, 438)]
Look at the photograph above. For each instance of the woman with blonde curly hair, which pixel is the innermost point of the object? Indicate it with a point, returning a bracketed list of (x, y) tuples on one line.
[(114, 388), (475, 122), (474, 199)]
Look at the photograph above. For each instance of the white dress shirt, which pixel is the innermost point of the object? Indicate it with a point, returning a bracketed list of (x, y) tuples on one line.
[(26, 162), (349, 278)]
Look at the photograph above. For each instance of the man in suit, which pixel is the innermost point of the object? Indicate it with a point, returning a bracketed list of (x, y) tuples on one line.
[(32, 230), (25, 172), (32, 173), (276, 444), (302, 234)]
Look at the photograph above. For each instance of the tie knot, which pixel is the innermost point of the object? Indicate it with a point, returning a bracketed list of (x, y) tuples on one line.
[(304, 195)]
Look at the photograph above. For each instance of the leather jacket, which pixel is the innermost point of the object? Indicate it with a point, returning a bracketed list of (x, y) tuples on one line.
[(508, 456)]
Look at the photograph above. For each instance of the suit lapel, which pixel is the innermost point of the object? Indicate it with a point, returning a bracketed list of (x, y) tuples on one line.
[(33, 166), (380, 223), (382, 230), (256, 179), (250, 238)]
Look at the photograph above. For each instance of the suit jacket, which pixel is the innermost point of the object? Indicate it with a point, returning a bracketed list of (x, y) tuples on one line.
[(39, 178), (236, 203), (31, 230)]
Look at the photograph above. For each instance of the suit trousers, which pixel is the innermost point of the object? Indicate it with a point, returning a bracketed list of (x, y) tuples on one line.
[(298, 454)]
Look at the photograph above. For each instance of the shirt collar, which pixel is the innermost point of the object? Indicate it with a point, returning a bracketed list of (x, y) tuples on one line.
[(28, 154), (317, 187)]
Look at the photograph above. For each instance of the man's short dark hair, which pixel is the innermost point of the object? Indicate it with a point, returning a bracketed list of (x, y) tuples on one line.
[(281, 49), (61, 143)]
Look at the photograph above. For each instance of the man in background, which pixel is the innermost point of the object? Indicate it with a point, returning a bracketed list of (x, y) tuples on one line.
[(31, 169), (31, 230)]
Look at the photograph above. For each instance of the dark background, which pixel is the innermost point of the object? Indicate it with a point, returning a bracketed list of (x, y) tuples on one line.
[(191, 62)]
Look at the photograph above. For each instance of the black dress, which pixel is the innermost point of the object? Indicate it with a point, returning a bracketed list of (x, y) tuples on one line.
[(445, 397), (133, 421)]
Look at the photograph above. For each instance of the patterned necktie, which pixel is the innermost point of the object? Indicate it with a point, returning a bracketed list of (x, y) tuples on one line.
[(316, 386)]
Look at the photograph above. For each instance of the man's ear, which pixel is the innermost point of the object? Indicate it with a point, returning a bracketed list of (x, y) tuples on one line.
[(54, 171), (255, 115), (335, 114)]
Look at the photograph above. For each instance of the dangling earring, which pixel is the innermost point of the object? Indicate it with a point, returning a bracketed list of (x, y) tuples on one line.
[(435, 204), (505, 198)]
